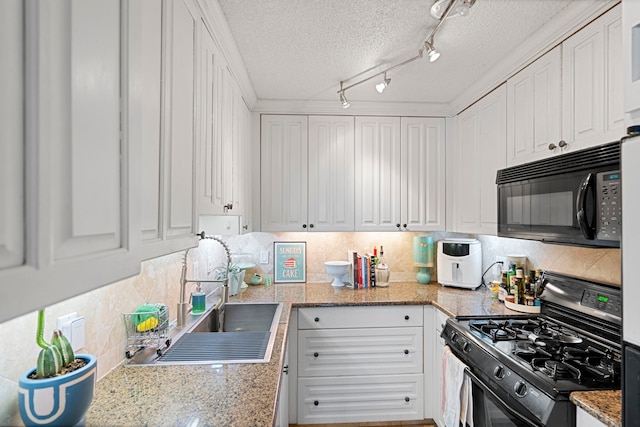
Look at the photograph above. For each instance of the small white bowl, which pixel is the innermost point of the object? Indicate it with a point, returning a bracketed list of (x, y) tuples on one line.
[(338, 269)]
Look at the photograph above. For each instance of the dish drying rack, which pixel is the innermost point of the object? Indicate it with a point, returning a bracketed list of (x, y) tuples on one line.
[(139, 338)]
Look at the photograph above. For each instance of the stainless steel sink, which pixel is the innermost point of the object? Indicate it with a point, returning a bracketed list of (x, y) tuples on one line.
[(232, 333)]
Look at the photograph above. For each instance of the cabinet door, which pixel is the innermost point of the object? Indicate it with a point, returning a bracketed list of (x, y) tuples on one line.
[(214, 168), (377, 166), (478, 154), (631, 60), (592, 83), (359, 351), (423, 174), (533, 110), (283, 172), (331, 173), (12, 154), (360, 399), (76, 221), (180, 130)]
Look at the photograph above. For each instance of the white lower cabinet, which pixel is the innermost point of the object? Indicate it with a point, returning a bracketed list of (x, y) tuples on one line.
[(360, 364), (584, 419)]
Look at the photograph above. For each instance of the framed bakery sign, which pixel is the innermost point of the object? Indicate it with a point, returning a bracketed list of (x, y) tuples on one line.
[(290, 261)]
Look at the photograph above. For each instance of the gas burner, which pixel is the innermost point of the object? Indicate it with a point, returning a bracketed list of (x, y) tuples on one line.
[(556, 369)]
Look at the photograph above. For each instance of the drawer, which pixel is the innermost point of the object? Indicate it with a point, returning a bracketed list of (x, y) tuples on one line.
[(359, 317), (360, 399), (334, 352)]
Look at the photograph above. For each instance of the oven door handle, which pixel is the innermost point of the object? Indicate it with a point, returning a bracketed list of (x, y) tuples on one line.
[(504, 404)]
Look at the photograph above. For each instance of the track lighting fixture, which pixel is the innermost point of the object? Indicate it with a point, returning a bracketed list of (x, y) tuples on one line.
[(441, 10), (461, 8), (343, 99), (431, 52), (380, 87)]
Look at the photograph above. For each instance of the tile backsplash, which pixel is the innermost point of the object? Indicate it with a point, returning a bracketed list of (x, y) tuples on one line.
[(159, 282)]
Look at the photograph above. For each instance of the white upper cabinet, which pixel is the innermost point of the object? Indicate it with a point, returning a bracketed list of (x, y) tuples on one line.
[(331, 175), (307, 173), (163, 99), (75, 232), (377, 168), (422, 146), (534, 110), (12, 147), (478, 153), (283, 166), (631, 59), (592, 80)]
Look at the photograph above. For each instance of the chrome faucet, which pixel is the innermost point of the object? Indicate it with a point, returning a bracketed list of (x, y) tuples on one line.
[(183, 306)]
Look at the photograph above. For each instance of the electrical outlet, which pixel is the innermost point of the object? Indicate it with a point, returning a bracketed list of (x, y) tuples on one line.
[(196, 271), (63, 323), (264, 257), (505, 264)]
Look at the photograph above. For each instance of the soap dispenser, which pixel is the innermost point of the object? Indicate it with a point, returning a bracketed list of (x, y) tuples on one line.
[(198, 299)]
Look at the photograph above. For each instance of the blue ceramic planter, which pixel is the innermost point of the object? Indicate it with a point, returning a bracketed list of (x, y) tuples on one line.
[(57, 401)]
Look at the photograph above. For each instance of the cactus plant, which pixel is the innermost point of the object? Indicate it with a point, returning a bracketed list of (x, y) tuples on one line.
[(54, 356)]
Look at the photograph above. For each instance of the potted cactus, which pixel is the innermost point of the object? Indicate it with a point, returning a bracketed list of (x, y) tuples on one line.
[(59, 389)]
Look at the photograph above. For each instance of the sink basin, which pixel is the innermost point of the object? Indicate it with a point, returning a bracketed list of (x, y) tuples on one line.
[(234, 333)]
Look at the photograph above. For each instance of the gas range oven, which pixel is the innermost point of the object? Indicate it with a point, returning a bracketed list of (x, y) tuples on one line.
[(523, 368)]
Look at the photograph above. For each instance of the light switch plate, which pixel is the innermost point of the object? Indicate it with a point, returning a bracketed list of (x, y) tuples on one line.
[(264, 257)]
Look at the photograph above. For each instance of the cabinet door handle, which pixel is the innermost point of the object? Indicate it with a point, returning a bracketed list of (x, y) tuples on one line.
[(285, 369), (562, 143), (315, 354), (304, 225), (245, 227), (398, 225), (228, 207), (310, 225), (316, 403), (317, 319), (406, 352), (407, 399), (404, 226), (406, 317), (552, 146)]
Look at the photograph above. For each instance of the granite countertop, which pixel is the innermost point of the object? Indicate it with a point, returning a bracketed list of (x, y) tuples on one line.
[(247, 394), (603, 405)]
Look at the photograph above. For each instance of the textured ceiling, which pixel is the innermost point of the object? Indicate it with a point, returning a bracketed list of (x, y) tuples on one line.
[(301, 49)]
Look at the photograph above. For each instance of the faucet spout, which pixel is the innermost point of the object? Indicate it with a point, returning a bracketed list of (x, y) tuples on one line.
[(183, 305)]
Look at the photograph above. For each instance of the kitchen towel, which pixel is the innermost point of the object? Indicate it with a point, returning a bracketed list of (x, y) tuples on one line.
[(457, 401)]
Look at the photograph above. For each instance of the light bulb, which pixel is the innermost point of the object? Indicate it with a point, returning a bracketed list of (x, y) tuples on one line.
[(344, 101), (433, 55), (463, 9), (380, 87)]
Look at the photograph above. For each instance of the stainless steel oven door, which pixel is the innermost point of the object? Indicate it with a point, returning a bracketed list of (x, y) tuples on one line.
[(489, 410)]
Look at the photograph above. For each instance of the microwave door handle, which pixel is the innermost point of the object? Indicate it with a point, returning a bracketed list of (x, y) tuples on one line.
[(581, 208)]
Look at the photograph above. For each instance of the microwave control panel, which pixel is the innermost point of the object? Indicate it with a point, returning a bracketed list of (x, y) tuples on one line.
[(608, 197)]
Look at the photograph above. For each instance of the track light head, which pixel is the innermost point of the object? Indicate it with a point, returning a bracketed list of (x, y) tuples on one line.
[(343, 100), (380, 87), (431, 52), (461, 9)]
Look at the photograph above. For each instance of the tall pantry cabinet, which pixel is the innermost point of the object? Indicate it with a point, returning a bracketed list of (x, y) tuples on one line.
[(66, 227)]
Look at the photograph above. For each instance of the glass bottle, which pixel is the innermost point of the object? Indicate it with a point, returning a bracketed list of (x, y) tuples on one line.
[(382, 271)]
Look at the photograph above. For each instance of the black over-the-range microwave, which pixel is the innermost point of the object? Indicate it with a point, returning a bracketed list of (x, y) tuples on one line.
[(572, 198)]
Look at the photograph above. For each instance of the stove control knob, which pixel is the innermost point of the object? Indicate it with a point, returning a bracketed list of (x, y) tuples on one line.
[(520, 388), (454, 337), (498, 372), (466, 347)]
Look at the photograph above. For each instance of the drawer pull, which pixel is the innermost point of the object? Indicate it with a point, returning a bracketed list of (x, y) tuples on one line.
[(316, 403), (407, 399), (406, 352), (406, 317), (315, 355), (317, 319)]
